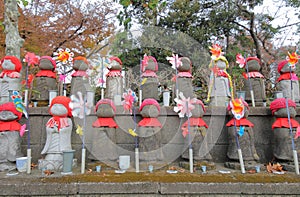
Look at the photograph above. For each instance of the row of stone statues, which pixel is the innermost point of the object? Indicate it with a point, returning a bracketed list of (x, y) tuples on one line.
[(59, 127)]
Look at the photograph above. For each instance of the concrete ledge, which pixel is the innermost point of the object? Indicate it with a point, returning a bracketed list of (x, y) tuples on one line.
[(147, 189), (230, 188)]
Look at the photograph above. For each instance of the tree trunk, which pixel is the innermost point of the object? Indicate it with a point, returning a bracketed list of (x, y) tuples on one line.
[(13, 40)]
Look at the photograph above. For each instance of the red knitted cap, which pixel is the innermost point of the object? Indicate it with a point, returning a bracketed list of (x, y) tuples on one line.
[(10, 106), (150, 101), (15, 61), (106, 101), (281, 103), (65, 101), (281, 65), (253, 58), (116, 59)]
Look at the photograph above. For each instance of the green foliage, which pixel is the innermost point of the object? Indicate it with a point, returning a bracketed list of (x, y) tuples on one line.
[(23, 2)]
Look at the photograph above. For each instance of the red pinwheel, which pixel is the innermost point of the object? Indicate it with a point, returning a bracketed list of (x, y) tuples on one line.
[(31, 59), (129, 98)]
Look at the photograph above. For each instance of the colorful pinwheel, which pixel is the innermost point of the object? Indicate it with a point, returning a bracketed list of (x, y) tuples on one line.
[(129, 98), (64, 56), (216, 51), (78, 104), (237, 108), (175, 61), (184, 105), (17, 99), (292, 59)]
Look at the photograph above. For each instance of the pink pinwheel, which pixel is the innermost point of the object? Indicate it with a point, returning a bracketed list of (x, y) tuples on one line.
[(175, 61), (62, 77), (184, 105), (145, 62), (78, 104), (31, 59), (23, 130), (129, 98), (240, 60)]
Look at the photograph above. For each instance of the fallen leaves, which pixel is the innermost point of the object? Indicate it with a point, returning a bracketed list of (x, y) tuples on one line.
[(48, 172), (274, 168)]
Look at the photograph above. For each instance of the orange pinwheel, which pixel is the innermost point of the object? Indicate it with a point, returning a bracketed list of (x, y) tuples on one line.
[(216, 51), (293, 58), (64, 56), (237, 108)]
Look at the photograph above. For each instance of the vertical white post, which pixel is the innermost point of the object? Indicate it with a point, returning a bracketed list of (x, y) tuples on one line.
[(28, 161), (140, 97), (83, 161), (137, 160), (296, 161), (26, 98), (241, 161), (102, 93), (191, 160)]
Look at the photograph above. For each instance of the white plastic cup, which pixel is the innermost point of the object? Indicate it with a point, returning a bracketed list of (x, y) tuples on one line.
[(203, 168), (124, 162), (98, 168), (150, 167), (21, 163), (257, 169)]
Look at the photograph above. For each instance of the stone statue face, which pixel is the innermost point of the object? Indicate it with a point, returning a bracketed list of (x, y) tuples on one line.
[(186, 65), (115, 65), (220, 64), (7, 116), (150, 111), (80, 65), (151, 65), (282, 113), (253, 65), (286, 68), (58, 110), (105, 110), (197, 112), (8, 65), (46, 64)]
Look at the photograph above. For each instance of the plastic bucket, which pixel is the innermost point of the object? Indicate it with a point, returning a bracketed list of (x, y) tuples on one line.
[(124, 162), (21, 163), (68, 161)]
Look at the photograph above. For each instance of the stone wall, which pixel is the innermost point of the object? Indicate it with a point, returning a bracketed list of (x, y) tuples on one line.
[(172, 140)]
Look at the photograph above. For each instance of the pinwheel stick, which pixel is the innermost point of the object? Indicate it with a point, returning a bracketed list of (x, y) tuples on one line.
[(250, 86), (136, 150), (176, 77), (239, 149), (292, 92), (295, 156), (28, 123), (83, 152), (189, 140)]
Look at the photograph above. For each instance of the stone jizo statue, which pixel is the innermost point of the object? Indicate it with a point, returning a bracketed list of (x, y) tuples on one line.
[(59, 129)]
